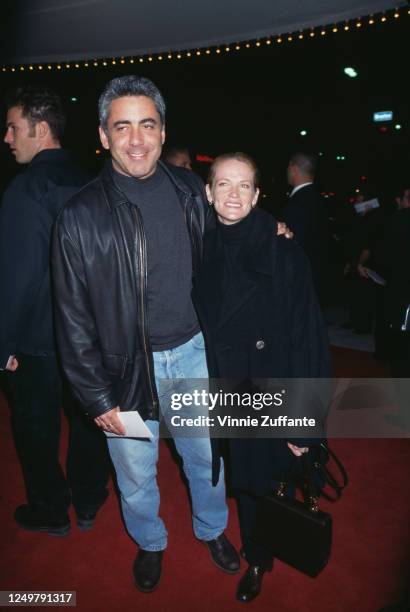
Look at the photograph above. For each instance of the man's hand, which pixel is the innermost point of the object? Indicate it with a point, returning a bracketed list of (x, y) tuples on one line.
[(110, 421), (363, 271), (297, 450), (283, 229), (12, 364)]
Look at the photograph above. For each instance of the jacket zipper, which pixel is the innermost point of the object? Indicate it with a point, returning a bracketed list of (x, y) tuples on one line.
[(190, 226), (141, 244)]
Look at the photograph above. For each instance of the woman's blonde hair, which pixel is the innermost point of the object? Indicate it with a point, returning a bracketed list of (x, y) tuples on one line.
[(238, 156)]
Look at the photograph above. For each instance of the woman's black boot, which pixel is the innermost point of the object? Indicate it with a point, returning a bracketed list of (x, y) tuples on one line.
[(250, 584)]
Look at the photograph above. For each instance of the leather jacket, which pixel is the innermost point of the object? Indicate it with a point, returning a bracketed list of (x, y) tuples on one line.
[(99, 262)]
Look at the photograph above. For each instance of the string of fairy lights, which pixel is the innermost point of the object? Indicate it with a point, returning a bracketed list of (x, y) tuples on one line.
[(279, 39)]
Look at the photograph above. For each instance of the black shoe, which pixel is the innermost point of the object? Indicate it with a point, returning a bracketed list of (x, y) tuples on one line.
[(86, 520), (32, 519), (223, 554), (250, 584), (147, 570)]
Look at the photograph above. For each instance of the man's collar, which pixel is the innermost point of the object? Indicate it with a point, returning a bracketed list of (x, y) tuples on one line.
[(47, 154), (295, 189)]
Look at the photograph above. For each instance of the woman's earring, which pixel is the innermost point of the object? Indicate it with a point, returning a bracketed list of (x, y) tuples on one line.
[(210, 202)]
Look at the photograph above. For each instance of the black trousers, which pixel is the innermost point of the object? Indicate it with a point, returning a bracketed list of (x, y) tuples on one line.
[(247, 509), (36, 420)]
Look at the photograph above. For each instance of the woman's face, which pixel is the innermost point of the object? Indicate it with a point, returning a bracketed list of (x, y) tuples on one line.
[(232, 190)]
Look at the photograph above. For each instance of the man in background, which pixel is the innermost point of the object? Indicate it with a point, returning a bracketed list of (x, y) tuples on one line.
[(397, 253), (34, 128), (177, 156), (305, 214)]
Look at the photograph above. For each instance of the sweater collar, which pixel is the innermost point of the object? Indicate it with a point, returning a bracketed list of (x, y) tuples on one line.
[(236, 233), (115, 197)]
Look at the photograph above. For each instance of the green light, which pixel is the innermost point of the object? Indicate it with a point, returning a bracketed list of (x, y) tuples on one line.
[(320, 154), (397, 126), (350, 72), (73, 99), (303, 132)]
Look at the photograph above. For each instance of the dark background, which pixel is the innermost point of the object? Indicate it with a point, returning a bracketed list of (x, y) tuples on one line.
[(259, 99)]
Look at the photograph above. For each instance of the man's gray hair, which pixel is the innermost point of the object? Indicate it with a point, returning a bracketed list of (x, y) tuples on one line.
[(306, 162), (131, 85)]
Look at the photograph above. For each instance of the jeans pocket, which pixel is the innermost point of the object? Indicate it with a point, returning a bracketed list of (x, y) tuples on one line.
[(198, 341)]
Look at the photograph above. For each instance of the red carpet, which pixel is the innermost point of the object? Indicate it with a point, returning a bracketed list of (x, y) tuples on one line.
[(367, 571)]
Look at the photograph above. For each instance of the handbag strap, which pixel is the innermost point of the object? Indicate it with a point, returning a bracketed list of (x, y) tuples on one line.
[(310, 493), (309, 490), (328, 476)]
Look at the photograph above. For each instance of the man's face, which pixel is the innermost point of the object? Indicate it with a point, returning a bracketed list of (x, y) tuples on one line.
[(181, 159), (134, 136), (21, 137), (404, 200), (233, 191), (290, 174)]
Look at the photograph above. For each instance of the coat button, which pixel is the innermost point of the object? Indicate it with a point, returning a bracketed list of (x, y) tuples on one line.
[(260, 344)]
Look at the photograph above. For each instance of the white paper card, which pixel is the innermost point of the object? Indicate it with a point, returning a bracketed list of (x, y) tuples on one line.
[(134, 426), (376, 277)]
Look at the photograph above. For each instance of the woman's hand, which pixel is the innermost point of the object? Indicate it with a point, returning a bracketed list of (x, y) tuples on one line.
[(297, 450), (12, 364), (283, 229)]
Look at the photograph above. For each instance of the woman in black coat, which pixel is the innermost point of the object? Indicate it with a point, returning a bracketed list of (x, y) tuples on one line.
[(261, 319)]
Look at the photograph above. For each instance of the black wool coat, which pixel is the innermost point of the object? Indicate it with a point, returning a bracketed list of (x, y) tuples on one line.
[(270, 302)]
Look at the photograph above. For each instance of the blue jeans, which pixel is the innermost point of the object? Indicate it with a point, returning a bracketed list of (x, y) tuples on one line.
[(135, 463)]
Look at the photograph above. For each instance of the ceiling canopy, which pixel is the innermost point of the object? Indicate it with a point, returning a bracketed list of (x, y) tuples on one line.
[(67, 30)]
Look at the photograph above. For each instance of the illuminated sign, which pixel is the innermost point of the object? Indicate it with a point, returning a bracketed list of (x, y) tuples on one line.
[(207, 159), (383, 116)]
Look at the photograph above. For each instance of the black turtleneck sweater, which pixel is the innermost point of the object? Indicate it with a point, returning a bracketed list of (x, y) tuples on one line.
[(232, 237), (172, 320)]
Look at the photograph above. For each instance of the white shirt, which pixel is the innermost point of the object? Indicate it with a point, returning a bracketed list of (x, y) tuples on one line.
[(295, 189)]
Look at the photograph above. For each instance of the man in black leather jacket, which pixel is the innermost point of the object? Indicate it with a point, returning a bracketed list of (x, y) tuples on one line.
[(30, 205), (124, 253)]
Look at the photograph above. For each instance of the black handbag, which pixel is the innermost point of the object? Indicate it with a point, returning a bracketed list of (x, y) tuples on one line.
[(298, 532)]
